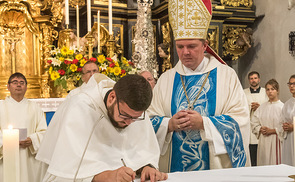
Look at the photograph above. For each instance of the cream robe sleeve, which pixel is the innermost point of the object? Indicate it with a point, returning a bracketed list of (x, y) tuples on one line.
[(160, 106), (255, 123), (40, 126)]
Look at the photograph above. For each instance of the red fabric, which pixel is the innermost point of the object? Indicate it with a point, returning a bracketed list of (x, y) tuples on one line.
[(208, 5), (213, 53)]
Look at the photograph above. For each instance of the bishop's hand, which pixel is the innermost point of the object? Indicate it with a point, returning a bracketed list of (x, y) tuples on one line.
[(195, 120), (178, 121)]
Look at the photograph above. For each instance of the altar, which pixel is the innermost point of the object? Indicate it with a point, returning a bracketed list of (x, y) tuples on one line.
[(49, 106), (272, 173)]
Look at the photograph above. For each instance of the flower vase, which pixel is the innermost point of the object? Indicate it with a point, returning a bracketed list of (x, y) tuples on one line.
[(70, 84), (61, 92)]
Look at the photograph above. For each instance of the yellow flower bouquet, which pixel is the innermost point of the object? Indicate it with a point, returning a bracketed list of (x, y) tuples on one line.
[(65, 64)]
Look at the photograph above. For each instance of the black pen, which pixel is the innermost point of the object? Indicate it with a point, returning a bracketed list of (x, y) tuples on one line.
[(124, 165)]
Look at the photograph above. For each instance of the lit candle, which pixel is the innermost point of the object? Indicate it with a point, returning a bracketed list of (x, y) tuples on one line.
[(98, 31), (11, 167), (78, 26), (110, 18), (67, 12), (88, 15)]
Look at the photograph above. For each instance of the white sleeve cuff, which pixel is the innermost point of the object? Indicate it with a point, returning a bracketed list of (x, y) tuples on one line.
[(210, 133), (164, 138)]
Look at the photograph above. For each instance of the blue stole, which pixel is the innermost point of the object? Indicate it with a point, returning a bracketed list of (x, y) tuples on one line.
[(189, 151)]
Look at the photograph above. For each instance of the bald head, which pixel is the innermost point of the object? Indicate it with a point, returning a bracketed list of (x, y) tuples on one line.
[(149, 77)]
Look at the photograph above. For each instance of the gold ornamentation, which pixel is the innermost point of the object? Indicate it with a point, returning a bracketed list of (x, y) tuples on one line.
[(74, 3), (236, 3), (213, 38), (57, 12), (166, 40), (236, 41), (111, 46), (116, 42), (26, 32), (48, 35), (65, 38), (189, 19), (90, 41)]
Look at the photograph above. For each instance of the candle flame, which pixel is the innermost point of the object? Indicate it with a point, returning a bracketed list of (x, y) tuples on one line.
[(10, 127)]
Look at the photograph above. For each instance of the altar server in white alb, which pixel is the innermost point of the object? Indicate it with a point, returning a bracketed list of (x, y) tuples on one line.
[(19, 112), (256, 95), (266, 126), (94, 131), (199, 110), (288, 114)]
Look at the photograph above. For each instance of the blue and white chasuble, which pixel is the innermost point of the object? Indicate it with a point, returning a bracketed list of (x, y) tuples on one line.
[(189, 151)]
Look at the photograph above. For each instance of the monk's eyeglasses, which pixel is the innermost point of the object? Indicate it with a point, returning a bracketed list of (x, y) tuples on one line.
[(127, 117)]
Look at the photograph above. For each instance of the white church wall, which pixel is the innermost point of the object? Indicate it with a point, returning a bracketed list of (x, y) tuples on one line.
[(270, 53)]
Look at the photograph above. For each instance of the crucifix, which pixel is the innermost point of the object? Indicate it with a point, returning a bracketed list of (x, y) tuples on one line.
[(12, 38)]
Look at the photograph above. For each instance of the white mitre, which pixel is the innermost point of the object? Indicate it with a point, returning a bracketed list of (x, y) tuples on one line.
[(190, 19)]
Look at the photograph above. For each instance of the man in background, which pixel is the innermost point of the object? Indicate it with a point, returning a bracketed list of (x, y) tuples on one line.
[(21, 113), (149, 77), (88, 70), (256, 95)]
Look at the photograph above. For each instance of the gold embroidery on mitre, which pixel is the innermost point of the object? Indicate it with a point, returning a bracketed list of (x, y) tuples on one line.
[(189, 19)]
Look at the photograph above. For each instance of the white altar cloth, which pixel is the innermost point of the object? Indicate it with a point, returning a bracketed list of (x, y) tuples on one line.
[(274, 173), (48, 104)]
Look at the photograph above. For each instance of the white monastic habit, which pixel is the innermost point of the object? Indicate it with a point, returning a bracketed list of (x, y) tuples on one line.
[(269, 147), (288, 113), (260, 97), (223, 106), (24, 114), (76, 90), (82, 142)]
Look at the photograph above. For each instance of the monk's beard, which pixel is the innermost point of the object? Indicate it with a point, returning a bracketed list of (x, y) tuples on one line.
[(110, 110)]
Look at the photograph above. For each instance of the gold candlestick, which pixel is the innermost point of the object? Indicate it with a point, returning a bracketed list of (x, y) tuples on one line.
[(65, 38), (111, 46), (90, 41)]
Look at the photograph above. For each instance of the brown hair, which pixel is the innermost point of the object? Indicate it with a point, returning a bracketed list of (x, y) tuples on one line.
[(273, 83), (253, 73), (135, 91), (17, 75)]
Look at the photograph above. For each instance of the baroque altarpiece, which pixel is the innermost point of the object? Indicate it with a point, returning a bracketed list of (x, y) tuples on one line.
[(27, 29)]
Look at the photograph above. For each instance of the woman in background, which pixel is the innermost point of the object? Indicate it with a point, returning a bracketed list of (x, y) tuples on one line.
[(266, 125), (288, 114)]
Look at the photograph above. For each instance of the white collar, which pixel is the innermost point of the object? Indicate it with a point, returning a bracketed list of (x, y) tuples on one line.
[(200, 68)]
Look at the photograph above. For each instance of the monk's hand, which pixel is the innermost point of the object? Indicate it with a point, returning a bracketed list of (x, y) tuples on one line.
[(123, 174), (195, 121), (25, 143), (178, 121), (152, 174)]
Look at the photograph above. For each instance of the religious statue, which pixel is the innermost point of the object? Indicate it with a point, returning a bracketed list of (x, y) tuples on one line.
[(245, 38), (164, 52)]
